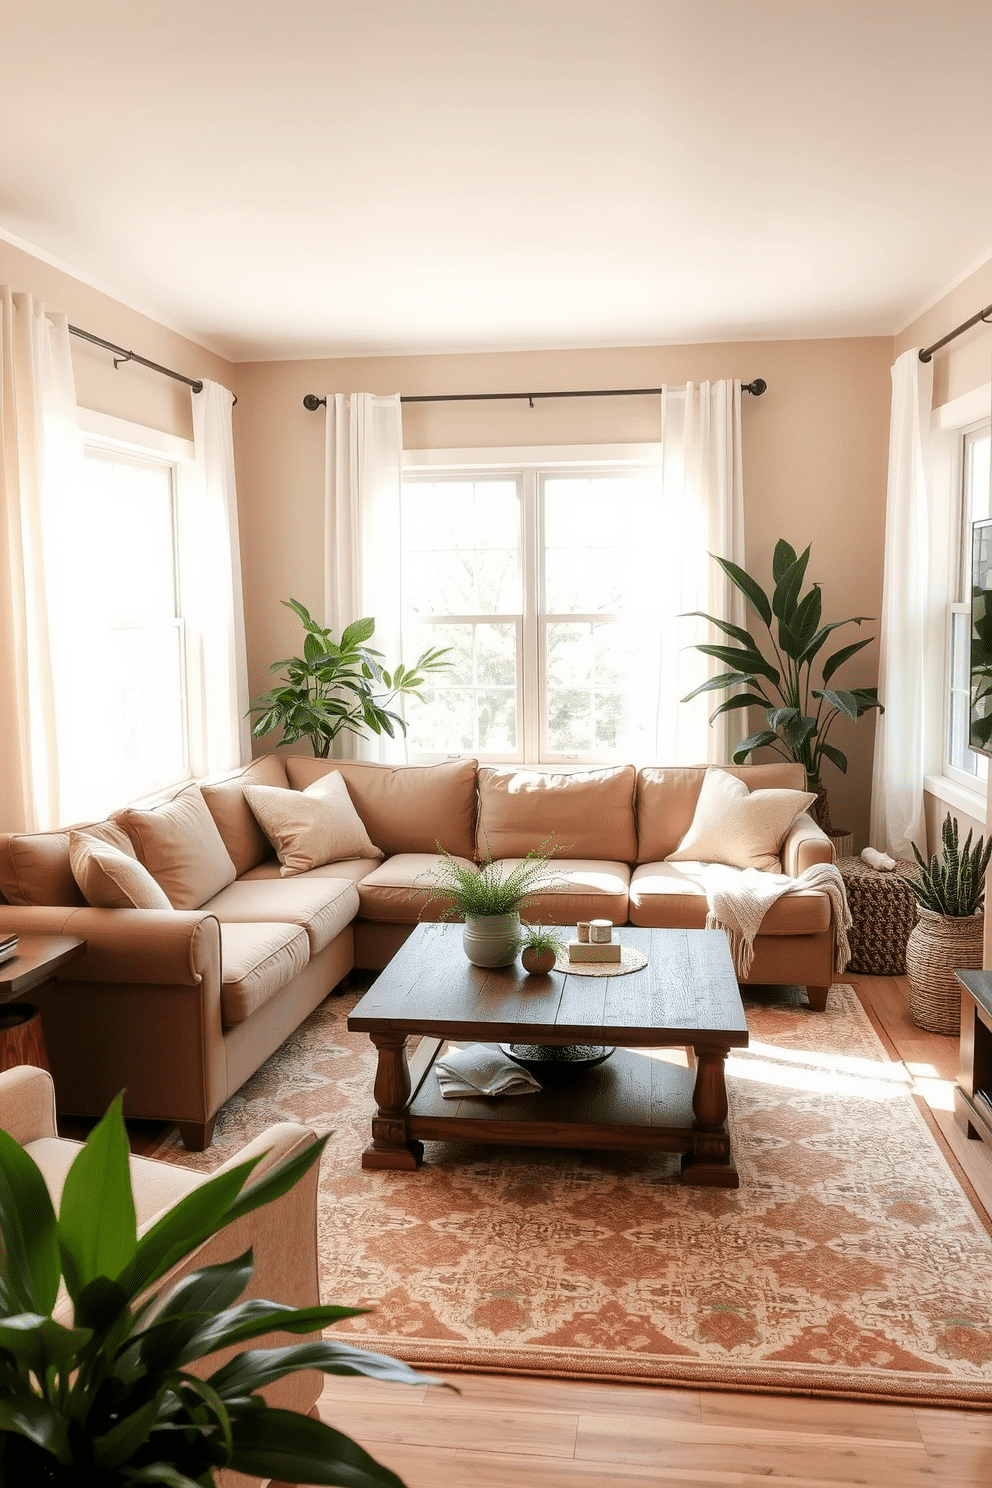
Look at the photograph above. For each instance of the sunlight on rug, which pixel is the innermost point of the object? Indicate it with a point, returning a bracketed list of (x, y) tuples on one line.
[(849, 1262)]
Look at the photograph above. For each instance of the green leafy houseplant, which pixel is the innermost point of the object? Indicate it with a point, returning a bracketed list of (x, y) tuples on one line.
[(952, 883), (777, 673), (110, 1401), (338, 685), (539, 949), (491, 889)]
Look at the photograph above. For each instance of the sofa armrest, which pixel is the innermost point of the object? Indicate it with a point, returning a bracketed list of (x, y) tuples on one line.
[(27, 1103), (155, 947), (805, 844), (283, 1139)]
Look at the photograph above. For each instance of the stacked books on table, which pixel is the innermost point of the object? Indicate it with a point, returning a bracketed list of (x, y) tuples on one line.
[(8, 947)]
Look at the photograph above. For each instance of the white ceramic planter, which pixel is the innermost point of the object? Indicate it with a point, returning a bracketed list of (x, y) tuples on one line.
[(491, 940)]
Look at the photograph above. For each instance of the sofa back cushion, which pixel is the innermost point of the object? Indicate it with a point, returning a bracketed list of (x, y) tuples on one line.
[(111, 878), (591, 814), (312, 827), (405, 808), (236, 822), (34, 869), (181, 847), (667, 797)]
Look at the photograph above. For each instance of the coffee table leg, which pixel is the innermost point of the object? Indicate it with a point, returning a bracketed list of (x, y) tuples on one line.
[(391, 1147), (709, 1164)]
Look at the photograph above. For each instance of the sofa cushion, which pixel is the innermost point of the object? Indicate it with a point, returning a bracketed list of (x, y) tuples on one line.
[(671, 896), (236, 822), (110, 878), (34, 869), (582, 889), (666, 799), (257, 961), (353, 869), (738, 826), (395, 891), (321, 907), (181, 847), (311, 827), (589, 815), (406, 808)]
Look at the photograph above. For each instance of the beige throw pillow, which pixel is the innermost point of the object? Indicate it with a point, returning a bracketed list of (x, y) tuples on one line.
[(311, 827), (737, 826), (179, 844), (110, 878)]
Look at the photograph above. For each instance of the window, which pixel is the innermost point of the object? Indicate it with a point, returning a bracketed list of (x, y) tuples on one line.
[(118, 642), (547, 583), (973, 452)]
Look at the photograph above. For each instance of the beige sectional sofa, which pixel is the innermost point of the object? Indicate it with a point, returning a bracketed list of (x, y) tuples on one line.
[(178, 1006)]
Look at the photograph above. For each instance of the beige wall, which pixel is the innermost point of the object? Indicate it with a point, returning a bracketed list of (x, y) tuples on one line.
[(815, 450), (132, 391)]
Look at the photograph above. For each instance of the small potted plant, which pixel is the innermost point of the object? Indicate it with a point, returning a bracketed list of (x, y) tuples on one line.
[(950, 891), (539, 950), (489, 899)]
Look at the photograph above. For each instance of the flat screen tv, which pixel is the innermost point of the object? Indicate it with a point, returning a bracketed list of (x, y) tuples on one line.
[(980, 731)]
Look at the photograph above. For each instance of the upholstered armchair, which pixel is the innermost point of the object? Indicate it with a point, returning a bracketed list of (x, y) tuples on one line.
[(282, 1235)]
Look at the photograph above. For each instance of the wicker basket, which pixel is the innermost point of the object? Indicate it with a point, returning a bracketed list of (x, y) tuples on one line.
[(937, 944)]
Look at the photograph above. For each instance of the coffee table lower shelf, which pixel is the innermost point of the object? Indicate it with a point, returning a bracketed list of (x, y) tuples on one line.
[(633, 1102)]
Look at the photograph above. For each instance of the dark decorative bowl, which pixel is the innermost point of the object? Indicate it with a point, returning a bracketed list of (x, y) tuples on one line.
[(556, 1064)]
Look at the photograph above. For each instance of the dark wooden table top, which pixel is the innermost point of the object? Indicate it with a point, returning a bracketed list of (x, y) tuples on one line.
[(36, 960), (687, 994)]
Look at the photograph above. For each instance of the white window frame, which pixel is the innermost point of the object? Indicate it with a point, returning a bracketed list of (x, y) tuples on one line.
[(104, 431), (528, 464), (950, 425)]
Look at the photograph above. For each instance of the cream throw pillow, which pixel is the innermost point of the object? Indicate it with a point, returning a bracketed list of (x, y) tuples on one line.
[(737, 826), (311, 827), (111, 879)]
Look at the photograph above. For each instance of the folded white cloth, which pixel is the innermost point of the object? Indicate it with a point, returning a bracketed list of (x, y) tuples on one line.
[(876, 859), (739, 898), (479, 1070)]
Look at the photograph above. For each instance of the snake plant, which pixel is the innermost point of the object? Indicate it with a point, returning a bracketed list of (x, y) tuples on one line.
[(952, 884)]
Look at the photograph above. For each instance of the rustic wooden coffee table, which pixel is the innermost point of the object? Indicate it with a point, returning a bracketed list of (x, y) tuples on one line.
[(687, 996)]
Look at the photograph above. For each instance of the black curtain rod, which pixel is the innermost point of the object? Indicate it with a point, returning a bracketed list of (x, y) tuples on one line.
[(926, 354), (312, 402), (121, 355)]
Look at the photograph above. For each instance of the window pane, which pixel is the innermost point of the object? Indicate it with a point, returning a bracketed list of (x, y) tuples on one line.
[(461, 547), (600, 535), (117, 638), (595, 703), (474, 706)]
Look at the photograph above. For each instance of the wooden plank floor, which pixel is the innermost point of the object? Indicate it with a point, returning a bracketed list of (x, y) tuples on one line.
[(505, 1432)]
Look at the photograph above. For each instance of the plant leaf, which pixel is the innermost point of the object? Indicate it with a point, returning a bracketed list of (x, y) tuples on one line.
[(744, 661), (97, 1230), (844, 702), (297, 1449), (250, 1370), (756, 741), (29, 1256), (27, 1415), (357, 633), (834, 756), (749, 587), (783, 558), (839, 657)]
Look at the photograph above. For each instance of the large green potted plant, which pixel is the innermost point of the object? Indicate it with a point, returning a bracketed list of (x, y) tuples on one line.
[(950, 893), (338, 685), (777, 672), (110, 1402)]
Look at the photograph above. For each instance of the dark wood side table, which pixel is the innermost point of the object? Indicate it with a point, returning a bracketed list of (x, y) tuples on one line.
[(35, 962), (973, 1091)]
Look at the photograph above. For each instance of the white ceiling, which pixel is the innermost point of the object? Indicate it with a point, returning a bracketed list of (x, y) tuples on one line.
[(342, 177)]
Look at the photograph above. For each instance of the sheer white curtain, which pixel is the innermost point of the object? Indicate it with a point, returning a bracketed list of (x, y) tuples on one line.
[(39, 451), (213, 607), (363, 474), (703, 495), (897, 818)]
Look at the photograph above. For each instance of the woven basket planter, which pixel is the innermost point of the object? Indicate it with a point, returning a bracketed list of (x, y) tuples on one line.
[(937, 944)]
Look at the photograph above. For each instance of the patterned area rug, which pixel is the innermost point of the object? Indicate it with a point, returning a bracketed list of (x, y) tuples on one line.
[(850, 1262)]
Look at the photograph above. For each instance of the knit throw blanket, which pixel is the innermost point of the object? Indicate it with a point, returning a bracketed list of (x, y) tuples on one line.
[(739, 899)]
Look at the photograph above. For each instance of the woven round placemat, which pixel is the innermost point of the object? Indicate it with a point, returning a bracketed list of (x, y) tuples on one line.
[(630, 960)]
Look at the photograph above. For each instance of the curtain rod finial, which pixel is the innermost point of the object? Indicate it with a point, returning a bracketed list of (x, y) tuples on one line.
[(755, 388), (311, 402)]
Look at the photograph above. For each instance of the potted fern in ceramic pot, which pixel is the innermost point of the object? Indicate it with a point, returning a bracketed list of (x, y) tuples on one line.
[(489, 900), (950, 893)]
